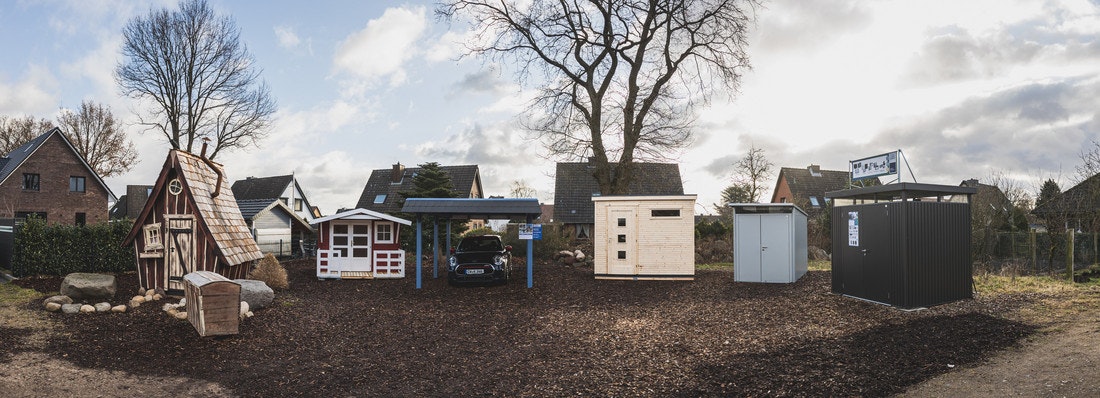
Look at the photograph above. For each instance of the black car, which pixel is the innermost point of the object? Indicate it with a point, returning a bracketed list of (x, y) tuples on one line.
[(479, 259)]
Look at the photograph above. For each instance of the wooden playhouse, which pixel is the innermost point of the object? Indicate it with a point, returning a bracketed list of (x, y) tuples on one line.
[(190, 223), (644, 237), (360, 244)]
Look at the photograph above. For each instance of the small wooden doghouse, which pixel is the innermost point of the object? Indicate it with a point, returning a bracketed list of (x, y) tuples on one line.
[(906, 244), (644, 237), (190, 223), (769, 242), (213, 303), (360, 244)]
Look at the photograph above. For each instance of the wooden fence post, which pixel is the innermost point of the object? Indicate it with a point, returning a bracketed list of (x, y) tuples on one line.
[(1034, 251), (1069, 255)]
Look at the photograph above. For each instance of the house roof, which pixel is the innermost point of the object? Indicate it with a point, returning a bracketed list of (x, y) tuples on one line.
[(1081, 198), (252, 208), (464, 178), (361, 214), (803, 183), (574, 187), (465, 208), (261, 187), (11, 162), (220, 215)]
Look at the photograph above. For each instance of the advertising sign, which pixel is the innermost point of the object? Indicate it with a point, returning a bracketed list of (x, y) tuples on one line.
[(530, 231), (884, 164), (853, 228)]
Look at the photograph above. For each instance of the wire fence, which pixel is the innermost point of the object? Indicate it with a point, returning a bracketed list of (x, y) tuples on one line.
[(1035, 253)]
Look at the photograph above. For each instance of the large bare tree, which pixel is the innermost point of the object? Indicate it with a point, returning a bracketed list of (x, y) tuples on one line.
[(203, 81), (752, 172), (618, 80), (98, 139), (16, 131)]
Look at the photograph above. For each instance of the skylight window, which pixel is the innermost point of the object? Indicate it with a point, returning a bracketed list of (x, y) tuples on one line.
[(814, 202), (379, 199)]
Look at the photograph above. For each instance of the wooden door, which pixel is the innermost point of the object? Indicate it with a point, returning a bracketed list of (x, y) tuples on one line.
[(622, 241), (180, 251)]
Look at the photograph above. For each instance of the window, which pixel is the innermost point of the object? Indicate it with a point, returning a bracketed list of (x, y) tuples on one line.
[(379, 199), (297, 205), (22, 216), (814, 202), (622, 255), (665, 213), (383, 233), (30, 182), (782, 199), (76, 184), (152, 237), (286, 201), (622, 238), (622, 222), (81, 218)]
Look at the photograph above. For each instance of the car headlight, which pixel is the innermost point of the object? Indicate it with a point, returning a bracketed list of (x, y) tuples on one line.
[(499, 260), (453, 262)]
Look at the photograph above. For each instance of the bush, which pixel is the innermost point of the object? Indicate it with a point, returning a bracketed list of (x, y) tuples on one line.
[(42, 249), (272, 273)]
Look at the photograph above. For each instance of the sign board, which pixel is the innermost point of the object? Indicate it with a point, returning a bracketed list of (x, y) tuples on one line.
[(884, 164), (530, 231), (853, 228)]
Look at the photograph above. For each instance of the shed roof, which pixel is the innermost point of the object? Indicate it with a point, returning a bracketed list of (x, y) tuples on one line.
[(361, 214), (901, 191), (464, 208), (574, 187), (757, 208)]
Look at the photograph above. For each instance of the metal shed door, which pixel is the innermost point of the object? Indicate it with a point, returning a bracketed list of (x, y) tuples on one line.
[(622, 242), (747, 238), (775, 248)]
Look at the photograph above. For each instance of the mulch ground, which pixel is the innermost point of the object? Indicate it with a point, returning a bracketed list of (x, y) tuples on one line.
[(569, 335)]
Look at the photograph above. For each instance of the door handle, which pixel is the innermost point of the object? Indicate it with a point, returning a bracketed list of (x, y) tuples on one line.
[(763, 248), (864, 251)]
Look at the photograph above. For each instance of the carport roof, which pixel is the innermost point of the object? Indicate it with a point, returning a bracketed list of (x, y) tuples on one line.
[(902, 191), (465, 208)]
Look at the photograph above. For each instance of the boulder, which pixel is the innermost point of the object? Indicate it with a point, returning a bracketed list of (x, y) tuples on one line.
[(83, 286), (53, 307), (102, 307), (70, 308), (58, 299), (818, 254), (118, 308), (256, 293)]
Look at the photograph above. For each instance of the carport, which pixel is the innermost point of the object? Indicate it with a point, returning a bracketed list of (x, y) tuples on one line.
[(465, 209)]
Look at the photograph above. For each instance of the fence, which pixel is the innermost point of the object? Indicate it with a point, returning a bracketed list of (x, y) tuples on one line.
[(1031, 252)]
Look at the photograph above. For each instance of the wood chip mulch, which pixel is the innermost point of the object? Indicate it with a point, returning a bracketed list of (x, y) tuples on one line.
[(569, 335)]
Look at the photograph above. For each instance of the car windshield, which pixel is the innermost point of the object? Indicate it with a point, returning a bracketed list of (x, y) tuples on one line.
[(480, 244)]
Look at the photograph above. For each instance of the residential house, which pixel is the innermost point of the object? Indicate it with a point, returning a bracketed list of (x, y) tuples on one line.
[(190, 223), (130, 204), (282, 188), (574, 187), (1077, 207), (384, 187), (48, 178), (806, 187), (278, 230)]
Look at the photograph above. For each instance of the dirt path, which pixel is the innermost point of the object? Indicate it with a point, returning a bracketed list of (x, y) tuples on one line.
[(1062, 362)]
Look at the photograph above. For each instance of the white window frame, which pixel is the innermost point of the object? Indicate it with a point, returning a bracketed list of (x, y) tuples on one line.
[(378, 232)]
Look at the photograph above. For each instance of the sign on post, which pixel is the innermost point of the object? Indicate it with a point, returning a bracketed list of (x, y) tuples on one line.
[(530, 231), (874, 166)]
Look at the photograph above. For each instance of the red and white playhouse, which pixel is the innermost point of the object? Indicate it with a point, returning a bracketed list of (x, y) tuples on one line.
[(359, 244)]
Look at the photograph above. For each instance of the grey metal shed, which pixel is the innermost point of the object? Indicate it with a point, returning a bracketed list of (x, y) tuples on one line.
[(906, 245), (769, 242)]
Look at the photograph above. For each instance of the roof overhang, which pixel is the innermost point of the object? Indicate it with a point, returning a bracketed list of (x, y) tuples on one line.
[(901, 191), (361, 214), (465, 208)]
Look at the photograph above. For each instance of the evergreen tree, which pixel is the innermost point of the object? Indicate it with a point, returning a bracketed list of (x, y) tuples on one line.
[(430, 182), (1047, 192)]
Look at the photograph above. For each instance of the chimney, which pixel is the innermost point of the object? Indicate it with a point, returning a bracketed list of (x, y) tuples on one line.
[(815, 170), (972, 183), (398, 173)]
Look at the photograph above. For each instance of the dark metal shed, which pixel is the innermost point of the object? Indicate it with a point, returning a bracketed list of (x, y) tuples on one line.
[(906, 244)]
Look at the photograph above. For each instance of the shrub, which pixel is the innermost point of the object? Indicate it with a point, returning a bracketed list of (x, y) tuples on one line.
[(270, 272), (42, 249)]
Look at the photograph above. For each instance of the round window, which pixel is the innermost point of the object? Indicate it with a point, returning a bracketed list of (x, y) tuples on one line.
[(175, 187)]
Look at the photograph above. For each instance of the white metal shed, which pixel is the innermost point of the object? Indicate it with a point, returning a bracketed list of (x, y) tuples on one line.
[(644, 237), (769, 242)]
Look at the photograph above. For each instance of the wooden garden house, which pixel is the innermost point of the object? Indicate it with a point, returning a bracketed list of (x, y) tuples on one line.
[(360, 244), (190, 223)]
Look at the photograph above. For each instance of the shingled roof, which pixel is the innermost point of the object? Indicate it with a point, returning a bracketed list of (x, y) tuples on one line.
[(393, 181), (12, 160), (261, 187), (574, 187), (1080, 200), (807, 182)]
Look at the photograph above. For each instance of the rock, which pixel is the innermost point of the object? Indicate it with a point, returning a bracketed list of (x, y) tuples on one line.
[(53, 307), (87, 309), (249, 314), (579, 255), (817, 254), (135, 303), (149, 292), (256, 293), (83, 286), (171, 312), (139, 299), (148, 298), (183, 302), (181, 315), (70, 308), (118, 309), (157, 296), (102, 307), (244, 309), (58, 300), (170, 307), (160, 291)]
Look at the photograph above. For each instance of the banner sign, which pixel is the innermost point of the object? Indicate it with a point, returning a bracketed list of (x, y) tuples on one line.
[(884, 164), (530, 231)]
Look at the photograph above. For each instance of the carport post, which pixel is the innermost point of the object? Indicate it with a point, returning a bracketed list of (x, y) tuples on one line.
[(448, 252), (530, 259), (435, 248), (418, 257)]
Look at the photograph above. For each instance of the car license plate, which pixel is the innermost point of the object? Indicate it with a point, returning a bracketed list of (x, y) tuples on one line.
[(475, 271)]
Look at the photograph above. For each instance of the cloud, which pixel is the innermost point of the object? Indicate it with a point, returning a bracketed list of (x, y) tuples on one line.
[(485, 81), (34, 93), (794, 25), (383, 47), (286, 37)]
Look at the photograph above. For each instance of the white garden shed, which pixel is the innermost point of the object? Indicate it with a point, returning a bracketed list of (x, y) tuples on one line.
[(644, 237), (769, 242)]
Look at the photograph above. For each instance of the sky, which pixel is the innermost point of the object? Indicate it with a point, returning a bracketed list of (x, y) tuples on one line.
[(965, 89)]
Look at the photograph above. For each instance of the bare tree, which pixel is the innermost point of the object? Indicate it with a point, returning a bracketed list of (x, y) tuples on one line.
[(520, 189), (191, 64), (98, 139), (16, 131), (752, 173), (618, 80)]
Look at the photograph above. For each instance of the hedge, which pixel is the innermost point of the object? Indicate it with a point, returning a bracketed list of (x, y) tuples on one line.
[(42, 249)]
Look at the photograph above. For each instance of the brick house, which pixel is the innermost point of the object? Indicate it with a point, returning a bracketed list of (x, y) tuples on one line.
[(46, 177)]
